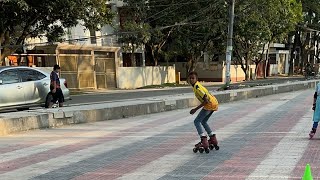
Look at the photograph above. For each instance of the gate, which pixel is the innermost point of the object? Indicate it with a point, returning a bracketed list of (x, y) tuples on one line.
[(105, 69)]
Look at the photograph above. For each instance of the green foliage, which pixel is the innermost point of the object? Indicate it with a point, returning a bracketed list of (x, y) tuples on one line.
[(21, 19), (205, 31), (189, 28), (259, 22), (134, 35), (181, 28)]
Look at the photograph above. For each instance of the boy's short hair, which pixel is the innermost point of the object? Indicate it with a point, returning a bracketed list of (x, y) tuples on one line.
[(55, 67), (193, 73)]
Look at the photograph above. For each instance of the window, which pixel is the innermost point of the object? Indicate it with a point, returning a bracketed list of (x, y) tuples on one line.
[(9, 77), (30, 75)]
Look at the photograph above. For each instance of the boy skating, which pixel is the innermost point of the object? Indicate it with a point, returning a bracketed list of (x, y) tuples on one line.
[(209, 104)]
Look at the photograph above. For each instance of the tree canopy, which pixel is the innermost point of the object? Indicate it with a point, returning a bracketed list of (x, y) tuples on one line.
[(21, 19), (189, 28), (168, 29)]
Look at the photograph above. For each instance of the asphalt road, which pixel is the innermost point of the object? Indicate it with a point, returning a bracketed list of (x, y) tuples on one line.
[(119, 95)]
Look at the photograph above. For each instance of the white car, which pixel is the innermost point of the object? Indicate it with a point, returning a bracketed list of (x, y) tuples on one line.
[(25, 87)]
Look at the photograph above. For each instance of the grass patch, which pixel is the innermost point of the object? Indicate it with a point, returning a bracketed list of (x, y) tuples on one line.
[(164, 86)]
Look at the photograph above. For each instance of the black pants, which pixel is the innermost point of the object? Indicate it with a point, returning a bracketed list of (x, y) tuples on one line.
[(58, 96)]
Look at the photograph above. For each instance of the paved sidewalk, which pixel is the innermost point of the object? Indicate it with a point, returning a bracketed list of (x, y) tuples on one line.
[(261, 138)]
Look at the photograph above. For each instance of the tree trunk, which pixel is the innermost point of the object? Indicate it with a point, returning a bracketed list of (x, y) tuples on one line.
[(248, 64), (148, 54), (244, 69), (304, 53), (256, 69), (317, 48), (247, 74), (303, 59), (155, 59), (1, 57), (192, 63), (266, 61), (133, 59), (293, 52)]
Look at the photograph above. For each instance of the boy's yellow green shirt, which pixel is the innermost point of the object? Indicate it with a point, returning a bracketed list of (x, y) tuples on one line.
[(200, 92)]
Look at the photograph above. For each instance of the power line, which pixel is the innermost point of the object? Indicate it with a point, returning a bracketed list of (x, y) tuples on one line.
[(164, 5), (162, 12), (107, 35), (201, 11)]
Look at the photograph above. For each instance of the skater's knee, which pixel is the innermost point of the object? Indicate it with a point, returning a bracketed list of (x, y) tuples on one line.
[(197, 122), (204, 123)]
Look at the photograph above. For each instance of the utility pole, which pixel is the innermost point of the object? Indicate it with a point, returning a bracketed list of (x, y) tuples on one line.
[(229, 42), (2, 28), (0, 51)]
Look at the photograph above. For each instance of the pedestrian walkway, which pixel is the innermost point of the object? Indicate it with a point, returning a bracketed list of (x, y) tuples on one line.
[(261, 138)]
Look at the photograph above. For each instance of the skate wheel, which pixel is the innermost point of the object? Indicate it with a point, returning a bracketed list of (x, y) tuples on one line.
[(217, 147), (207, 150), (195, 150), (211, 147), (201, 150)]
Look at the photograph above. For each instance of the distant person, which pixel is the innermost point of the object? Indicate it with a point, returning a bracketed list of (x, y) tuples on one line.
[(308, 70), (55, 88), (209, 104)]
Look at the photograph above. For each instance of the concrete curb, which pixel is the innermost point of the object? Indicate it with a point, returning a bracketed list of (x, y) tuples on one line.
[(50, 118)]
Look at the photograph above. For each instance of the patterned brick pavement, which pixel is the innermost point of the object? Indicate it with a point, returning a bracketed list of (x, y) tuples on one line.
[(262, 138)]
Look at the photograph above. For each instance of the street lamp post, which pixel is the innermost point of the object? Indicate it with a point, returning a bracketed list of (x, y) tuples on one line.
[(229, 42)]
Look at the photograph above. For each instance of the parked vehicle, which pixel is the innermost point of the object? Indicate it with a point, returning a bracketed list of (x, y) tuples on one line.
[(25, 87)]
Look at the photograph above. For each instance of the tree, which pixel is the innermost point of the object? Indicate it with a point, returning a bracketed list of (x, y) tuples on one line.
[(282, 17), (260, 22), (21, 19), (157, 16), (184, 28), (133, 36), (305, 33), (203, 30), (251, 34)]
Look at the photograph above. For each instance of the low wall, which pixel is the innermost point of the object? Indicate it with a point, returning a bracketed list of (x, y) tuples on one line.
[(213, 72), (136, 77)]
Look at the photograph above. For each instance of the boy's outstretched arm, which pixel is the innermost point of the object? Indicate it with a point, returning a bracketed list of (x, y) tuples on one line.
[(206, 100)]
